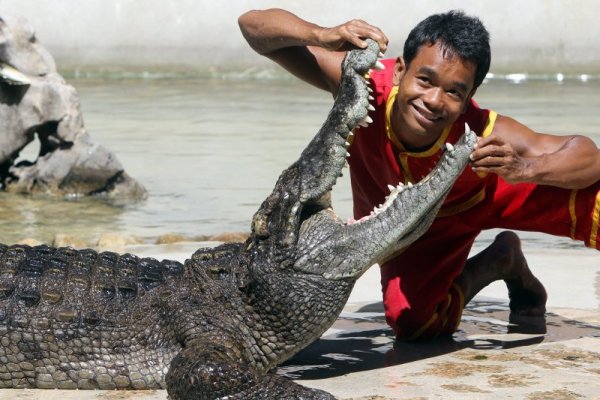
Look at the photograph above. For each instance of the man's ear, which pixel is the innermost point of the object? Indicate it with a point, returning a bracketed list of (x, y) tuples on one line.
[(399, 69)]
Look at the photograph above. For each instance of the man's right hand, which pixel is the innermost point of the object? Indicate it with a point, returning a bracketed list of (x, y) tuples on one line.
[(351, 33), (308, 51)]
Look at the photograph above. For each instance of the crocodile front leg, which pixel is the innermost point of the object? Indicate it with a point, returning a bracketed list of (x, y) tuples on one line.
[(211, 370)]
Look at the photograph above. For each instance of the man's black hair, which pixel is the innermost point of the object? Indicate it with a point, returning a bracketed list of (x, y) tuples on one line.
[(458, 34)]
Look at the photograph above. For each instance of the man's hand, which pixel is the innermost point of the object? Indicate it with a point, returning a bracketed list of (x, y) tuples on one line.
[(311, 52), (353, 33), (492, 154)]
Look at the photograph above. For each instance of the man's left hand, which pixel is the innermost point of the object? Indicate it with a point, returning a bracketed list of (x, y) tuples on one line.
[(492, 154)]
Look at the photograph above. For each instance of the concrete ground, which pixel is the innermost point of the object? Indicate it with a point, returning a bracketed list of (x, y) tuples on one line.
[(489, 357)]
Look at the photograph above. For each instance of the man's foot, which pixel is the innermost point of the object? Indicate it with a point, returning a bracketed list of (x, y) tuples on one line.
[(504, 260), (526, 293)]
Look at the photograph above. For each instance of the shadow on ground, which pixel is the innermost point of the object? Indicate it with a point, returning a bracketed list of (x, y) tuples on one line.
[(361, 341)]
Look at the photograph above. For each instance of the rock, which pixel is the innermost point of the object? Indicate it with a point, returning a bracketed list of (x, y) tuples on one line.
[(229, 237), (115, 242), (64, 240), (29, 242), (36, 100), (171, 238)]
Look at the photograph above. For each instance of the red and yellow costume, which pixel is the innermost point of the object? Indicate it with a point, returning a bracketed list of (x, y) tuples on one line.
[(420, 297)]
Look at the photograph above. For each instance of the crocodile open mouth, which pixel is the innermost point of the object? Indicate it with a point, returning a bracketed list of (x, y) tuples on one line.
[(445, 162)]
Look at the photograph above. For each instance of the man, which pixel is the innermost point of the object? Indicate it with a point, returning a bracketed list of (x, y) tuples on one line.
[(519, 179)]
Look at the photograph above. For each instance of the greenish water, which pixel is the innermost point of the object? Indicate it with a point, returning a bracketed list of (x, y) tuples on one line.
[(209, 150)]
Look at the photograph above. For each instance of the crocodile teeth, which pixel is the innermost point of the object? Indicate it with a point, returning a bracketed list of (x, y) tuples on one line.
[(449, 147), (369, 89), (365, 121), (371, 98), (409, 185), (380, 55), (394, 192), (346, 144), (370, 108), (379, 66), (467, 128)]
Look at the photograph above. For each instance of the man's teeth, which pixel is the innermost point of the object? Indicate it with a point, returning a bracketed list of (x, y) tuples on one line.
[(432, 118)]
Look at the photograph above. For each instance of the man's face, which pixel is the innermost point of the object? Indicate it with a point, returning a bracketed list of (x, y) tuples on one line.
[(432, 93)]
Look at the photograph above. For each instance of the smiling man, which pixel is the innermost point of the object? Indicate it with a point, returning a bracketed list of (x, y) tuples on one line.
[(519, 179)]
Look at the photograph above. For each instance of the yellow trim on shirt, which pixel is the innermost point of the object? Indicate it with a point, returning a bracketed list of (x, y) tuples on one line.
[(491, 123), (403, 157), (487, 131), (445, 212), (461, 302), (595, 221), (419, 332), (573, 212)]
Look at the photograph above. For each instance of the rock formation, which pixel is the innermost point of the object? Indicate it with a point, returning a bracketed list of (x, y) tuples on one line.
[(36, 100)]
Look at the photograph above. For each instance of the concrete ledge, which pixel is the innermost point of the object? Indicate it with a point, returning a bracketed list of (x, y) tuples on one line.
[(532, 36)]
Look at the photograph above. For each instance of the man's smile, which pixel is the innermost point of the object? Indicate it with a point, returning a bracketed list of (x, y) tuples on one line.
[(425, 117)]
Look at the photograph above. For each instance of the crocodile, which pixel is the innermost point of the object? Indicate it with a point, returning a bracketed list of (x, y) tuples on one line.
[(215, 326)]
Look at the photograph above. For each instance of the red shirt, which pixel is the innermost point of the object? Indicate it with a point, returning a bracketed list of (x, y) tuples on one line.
[(378, 159)]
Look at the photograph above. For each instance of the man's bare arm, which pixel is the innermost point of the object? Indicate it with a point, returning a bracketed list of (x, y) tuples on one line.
[(309, 51), (518, 154)]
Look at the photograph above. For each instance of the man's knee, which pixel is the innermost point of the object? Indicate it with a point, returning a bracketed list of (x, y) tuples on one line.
[(426, 321)]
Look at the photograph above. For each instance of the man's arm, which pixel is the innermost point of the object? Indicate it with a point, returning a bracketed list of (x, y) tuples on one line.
[(310, 52), (518, 154)]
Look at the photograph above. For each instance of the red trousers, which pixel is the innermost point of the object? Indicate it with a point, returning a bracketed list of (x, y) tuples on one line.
[(420, 297)]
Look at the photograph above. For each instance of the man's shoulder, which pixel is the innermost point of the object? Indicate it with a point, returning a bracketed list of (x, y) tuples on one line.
[(479, 119)]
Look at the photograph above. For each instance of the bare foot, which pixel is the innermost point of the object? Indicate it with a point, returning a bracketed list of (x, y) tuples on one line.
[(527, 294), (504, 260)]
